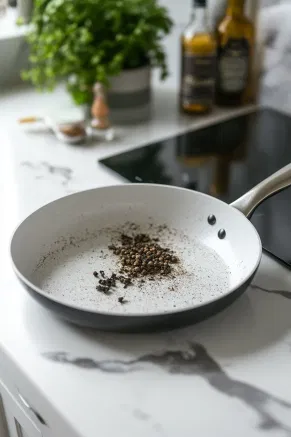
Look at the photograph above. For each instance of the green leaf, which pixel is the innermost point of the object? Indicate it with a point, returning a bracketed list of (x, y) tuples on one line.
[(93, 40)]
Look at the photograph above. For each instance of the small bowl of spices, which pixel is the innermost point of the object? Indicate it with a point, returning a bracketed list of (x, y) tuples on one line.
[(71, 132)]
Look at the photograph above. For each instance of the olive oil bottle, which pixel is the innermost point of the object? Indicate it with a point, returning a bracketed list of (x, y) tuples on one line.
[(198, 63), (235, 51)]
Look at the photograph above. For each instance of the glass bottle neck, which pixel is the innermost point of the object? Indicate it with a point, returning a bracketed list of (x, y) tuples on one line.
[(199, 15), (235, 7)]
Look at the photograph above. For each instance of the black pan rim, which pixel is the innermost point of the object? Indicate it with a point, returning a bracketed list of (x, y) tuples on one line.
[(72, 306), (138, 324)]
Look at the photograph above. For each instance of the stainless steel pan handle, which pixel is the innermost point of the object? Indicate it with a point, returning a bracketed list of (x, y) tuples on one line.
[(273, 184)]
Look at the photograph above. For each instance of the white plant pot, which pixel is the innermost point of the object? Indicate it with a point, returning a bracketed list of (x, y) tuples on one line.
[(129, 96), (24, 10)]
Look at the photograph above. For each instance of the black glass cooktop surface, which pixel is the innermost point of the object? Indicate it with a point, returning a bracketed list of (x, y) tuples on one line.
[(225, 160)]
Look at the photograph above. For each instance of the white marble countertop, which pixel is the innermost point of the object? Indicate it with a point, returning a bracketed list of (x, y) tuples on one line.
[(227, 376)]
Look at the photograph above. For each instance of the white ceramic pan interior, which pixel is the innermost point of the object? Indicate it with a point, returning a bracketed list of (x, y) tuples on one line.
[(57, 248)]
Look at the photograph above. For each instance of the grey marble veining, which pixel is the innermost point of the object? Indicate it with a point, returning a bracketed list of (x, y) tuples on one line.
[(194, 361), (44, 169)]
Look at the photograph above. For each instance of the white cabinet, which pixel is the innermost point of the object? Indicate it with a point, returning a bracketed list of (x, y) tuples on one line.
[(14, 422), (3, 420)]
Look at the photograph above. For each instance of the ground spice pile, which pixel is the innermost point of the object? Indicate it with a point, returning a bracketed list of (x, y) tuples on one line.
[(140, 257), (143, 256)]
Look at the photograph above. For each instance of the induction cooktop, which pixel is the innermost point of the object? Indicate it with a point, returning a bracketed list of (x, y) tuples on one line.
[(224, 159)]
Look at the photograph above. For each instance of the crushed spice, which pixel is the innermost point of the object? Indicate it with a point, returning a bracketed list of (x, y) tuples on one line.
[(121, 299), (141, 257)]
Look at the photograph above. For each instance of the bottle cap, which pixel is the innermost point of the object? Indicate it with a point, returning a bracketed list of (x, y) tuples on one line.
[(201, 3)]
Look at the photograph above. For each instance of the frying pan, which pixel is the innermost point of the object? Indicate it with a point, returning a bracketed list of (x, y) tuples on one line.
[(56, 249)]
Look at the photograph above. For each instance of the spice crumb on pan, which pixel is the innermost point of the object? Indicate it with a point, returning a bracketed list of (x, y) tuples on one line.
[(122, 300), (103, 289), (141, 258)]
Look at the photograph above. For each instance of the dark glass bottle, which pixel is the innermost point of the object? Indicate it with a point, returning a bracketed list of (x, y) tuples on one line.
[(235, 50), (198, 49)]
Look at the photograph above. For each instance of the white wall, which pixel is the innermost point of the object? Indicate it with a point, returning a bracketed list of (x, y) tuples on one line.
[(179, 9)]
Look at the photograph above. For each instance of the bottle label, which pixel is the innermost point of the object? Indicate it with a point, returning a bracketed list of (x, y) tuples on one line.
[(233, 66), (198, 79)]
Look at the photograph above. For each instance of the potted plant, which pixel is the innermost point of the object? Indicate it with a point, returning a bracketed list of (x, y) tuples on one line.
[(114, 42)]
